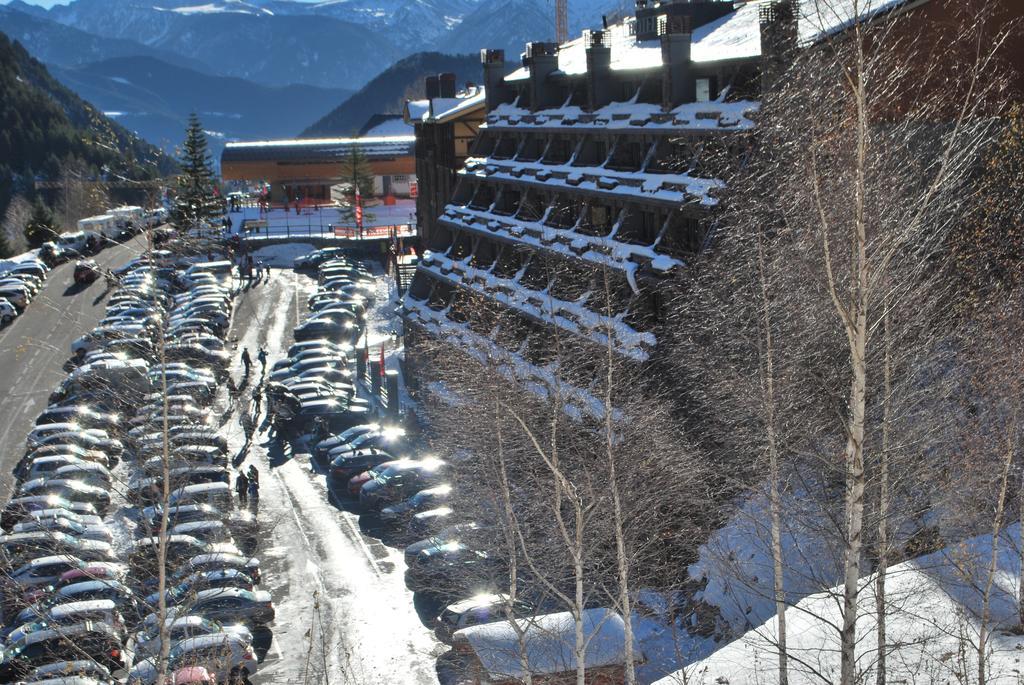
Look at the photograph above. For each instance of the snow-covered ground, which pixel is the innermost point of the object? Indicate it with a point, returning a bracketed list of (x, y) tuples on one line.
[(342, 605), (934, 606)]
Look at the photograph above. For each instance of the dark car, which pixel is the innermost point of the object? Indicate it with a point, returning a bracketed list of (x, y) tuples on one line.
[(421, 501), (97, 641), (353, 463), (454, 570), (86, 271), (431, 521), (335, 331), (401, 480)]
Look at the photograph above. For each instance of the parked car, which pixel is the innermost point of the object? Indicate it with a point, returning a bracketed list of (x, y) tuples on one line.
[(477, 610), (431, 521), (350, 464), (8, 312), (233, 605), (73, 490), (15, 294), (218, 560), (147, 640), (453, 570), (421, 501), (98, 641), (400, 480), (19, 508), (226, 654), (86, 271)]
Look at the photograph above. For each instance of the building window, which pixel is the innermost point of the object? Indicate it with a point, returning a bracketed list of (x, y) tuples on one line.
[(703, 90), (400, 179)]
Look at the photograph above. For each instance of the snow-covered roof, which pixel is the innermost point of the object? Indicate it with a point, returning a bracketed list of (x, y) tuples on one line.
[(734, 36), (549, 641), (714, 115), (441, 110), (318, 148), (819, 19)]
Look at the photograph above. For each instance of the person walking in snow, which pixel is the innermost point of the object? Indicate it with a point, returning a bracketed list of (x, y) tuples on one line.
[(254, 494), (246, 360), (254, 474), (257, 401), (242, 488), (262, 356)]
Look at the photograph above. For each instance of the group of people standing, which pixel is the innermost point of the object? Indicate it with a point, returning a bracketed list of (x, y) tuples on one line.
[(247, 484)]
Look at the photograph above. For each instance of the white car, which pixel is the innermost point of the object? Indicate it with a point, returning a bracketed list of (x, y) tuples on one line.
[(7, 311), (18, 295)]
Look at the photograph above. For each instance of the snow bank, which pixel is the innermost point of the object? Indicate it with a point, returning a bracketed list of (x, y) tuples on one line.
[(282, 255), (934, 604)]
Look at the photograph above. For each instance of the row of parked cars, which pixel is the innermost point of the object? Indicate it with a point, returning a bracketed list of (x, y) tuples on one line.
[(81, 544), (408, 496), (313, 387), (19, 283)]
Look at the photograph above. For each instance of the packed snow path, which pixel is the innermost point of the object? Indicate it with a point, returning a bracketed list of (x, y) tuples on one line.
[(342, 605)]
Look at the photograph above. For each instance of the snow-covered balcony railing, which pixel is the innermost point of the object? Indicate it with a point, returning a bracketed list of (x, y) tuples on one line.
[(542, 381), (669, 189), (571, 316), (715, 115), (567, 242)]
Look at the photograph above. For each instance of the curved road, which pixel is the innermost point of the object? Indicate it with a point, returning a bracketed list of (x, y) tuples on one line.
[(34, 347)]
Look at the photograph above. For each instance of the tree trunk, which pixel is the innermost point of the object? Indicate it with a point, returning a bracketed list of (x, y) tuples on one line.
[(857, 336), (618, 522), (883, 506), (993, 566), (768, 391), (164, 632)]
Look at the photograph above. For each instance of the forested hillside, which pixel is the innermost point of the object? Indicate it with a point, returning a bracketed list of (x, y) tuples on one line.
[(44, 127), (387, 93)]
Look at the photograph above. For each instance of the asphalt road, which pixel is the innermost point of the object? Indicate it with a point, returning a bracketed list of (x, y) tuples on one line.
[(34, 347)]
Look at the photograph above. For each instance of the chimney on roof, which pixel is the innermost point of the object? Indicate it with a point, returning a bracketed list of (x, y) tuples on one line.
[(778, 23), (677, 80), (496, 91), (599, 66), (541, 59), (433, 88), (446, 84)]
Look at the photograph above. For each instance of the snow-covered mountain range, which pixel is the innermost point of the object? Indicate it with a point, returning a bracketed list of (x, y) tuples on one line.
[(331, 43)]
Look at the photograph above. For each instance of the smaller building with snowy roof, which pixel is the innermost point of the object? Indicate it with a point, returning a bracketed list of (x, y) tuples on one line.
[(546, 650), (305, 170)]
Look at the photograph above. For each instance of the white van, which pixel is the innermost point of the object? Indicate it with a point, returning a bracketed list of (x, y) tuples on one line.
[(103, 224), (80, 242), (128, 220)]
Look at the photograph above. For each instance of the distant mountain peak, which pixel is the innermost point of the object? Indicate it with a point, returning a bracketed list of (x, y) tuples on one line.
[(222, 7)]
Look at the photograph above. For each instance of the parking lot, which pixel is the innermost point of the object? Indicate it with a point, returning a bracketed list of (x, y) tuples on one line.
[(342, 605), (34, 346), (323, 599)]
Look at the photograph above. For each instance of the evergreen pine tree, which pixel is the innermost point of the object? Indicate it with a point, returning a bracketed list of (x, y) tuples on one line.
[(196, 199), (357, 174), (5, 246), (41, 226)]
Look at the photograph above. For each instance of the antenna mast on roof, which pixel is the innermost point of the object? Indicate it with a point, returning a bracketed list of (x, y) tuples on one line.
[(561, 21)]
